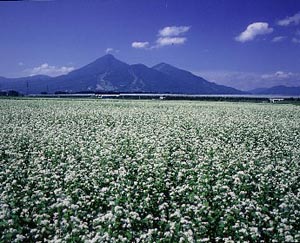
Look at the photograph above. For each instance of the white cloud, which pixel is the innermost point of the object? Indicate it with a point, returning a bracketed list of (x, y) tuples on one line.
[(167, 41), (46, 69), (140, 45), (296, 40), (295, 19), (171, 35), (111, 50), (21, 63), (253, 30), (108, 50), (278, 38), (173, 30), (167, 36)]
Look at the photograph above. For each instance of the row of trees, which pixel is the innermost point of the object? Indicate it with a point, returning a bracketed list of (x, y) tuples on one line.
[(10, 93)]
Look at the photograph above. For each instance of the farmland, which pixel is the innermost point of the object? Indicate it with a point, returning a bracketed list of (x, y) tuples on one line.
[(145, 171)]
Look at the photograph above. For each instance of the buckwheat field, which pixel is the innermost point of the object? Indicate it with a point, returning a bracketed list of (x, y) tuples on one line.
[(149, 171)]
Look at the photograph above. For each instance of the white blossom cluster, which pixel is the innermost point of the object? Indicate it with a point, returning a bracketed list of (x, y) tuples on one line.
[(149, 171)]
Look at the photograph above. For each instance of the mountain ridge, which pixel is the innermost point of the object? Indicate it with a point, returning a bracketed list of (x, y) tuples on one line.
[(277, 90), (112, 75)]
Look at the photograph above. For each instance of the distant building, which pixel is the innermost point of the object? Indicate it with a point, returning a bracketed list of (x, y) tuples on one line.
[(108, 96), (275, 100)]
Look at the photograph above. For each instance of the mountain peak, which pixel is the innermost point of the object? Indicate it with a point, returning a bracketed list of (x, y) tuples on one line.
[(101, 65), (162, 65), (167, 68), (108, 56)]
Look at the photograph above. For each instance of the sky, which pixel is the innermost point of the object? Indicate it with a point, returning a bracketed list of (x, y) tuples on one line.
[(242, 43)]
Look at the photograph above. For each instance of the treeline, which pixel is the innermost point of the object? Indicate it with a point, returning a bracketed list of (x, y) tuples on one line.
[(10, 93)]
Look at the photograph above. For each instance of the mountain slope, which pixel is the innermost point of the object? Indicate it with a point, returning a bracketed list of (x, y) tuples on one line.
[(109, 74), (191, 83)]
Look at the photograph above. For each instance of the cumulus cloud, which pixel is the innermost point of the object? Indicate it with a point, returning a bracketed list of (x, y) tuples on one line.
[(166, 41), (278, 38), (167, 36), (171, 35), (111, 50), (173, 30), (253, 30), (295, 20), (140, 45), (46, 69)]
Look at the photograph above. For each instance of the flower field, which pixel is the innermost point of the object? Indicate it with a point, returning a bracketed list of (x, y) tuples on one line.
[(148, 171)]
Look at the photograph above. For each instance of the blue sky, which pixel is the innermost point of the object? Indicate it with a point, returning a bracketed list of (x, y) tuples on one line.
[(244, 43)]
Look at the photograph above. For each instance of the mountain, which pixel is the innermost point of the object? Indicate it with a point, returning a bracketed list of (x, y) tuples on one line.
[(277, 90), (110, 74), (32, 84), (190, 83), (104, 74)]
